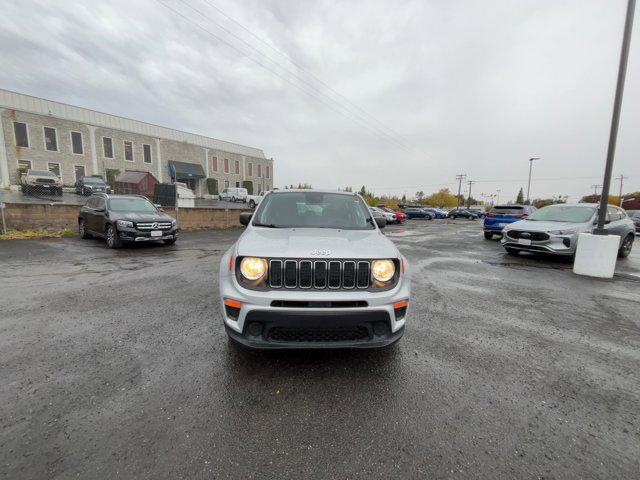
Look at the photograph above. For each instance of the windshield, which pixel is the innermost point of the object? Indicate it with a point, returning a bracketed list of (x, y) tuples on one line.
[(564, 213), (42, 173), (92, 180), (313, 210), (509, 210), (132, 205)]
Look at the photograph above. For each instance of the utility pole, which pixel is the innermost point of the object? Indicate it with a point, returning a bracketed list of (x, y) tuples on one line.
[(615, 118), (470, 182), (595, 188), (622, 177), (460, 177), (498, 195), (531, 160)]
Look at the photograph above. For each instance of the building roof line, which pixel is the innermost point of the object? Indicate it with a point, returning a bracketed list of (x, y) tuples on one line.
[(41, 106)]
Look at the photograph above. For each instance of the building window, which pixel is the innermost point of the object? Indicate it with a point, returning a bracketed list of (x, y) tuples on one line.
[(226, 165), (250, 169), (79, 171), (50, 139), (54, 168), (107, 147), (237, 167), (21, 134), (76, 143), (214, 164), (226, 184), (237, 184), (268, 171), (128, 151), (146, 153), (23, 166), (259, 171)]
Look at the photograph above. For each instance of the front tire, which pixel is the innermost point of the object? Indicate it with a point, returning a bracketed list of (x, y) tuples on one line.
[(627, 245), (488, 235), (111, 234), (170, 241), (512, 251), (252, 204)]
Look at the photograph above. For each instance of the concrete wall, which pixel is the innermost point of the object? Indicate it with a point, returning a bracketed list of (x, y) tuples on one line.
[(95, 162), (59, 216)]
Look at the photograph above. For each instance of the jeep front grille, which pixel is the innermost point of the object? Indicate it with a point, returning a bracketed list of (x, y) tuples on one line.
[(319, 274)]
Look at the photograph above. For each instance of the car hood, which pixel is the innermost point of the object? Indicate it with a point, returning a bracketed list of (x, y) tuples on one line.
[(321, 243), (542, 226), (140, 217)]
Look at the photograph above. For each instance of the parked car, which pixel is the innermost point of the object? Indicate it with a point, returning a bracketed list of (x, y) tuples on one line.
[(89, 185), (33, 181), (390, 217), (412, 212), (121, 219), (313, 270), (234, 194), (254, 200), (501, 215), (400, 216), (461, 213), (555, 229), (435, 213), (634, 215), (477, 213)]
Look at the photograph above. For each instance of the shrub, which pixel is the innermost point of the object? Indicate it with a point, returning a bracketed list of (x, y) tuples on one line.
[(212, 186)]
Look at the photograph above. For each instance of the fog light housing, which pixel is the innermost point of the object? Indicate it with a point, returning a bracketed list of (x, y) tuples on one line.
[(400, 309), (232, 308), (566, 242)]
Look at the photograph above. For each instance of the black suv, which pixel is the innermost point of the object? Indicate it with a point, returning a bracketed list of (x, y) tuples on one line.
[(89, 185), (125, 218)]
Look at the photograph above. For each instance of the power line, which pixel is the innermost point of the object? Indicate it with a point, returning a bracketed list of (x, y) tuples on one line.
[(301, 68), (362, 122), (460, 177)]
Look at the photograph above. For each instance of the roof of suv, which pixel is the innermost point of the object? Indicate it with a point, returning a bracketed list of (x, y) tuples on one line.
[(311, 190)]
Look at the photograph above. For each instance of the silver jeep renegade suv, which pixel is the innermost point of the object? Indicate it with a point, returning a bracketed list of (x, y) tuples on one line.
[(313, 270)]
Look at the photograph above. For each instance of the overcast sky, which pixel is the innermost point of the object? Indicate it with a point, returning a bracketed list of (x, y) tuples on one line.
[(398, 96)]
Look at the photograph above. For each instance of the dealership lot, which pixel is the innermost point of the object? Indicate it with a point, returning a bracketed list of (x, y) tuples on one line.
[(116, 364)]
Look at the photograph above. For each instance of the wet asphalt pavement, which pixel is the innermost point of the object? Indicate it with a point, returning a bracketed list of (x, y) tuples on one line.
[(115, 364)]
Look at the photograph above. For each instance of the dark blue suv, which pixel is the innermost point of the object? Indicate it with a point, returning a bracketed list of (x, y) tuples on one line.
[(500, 215)]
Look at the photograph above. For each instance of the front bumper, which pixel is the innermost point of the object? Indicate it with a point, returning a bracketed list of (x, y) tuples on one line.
[(369, 321), (133, 235), (564, 245)]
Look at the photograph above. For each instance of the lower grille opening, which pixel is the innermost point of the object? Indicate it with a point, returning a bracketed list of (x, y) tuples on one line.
[(318, 335), (319, 304)]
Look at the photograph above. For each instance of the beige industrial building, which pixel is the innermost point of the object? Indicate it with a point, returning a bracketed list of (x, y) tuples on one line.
[(73, 142)]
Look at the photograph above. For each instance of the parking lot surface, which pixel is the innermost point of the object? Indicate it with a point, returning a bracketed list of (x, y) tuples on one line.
[(115, 364)]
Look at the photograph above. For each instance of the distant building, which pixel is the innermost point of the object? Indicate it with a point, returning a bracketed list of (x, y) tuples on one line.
[(74, 142)]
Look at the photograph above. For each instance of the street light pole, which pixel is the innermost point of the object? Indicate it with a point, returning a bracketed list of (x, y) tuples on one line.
[(531, 160), (615, 119)]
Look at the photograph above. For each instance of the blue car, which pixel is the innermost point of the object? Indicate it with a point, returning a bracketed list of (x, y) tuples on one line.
[(435, 213), (501, 215), (418, 213)]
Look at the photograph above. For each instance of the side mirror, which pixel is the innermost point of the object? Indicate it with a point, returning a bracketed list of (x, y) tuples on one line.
[(381, 222), (159, 207), (245, 218)]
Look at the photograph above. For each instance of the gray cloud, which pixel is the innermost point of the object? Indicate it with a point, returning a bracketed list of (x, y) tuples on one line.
[(470, 87)]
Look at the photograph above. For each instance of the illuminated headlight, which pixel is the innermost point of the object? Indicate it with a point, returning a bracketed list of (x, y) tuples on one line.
[(570, 231), (253, 268), (124, 223), (383, 270)]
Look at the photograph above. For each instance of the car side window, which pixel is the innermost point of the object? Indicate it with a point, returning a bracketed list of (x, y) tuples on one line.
[(90, 203), (612, 214), (621, 213), (99, 203)]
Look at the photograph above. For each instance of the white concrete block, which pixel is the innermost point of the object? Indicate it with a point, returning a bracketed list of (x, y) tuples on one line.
[(596, 255)]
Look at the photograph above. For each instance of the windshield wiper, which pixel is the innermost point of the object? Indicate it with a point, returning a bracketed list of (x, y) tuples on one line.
[(267, 225)]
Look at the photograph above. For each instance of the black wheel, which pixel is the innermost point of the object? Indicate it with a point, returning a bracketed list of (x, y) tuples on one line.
[(429, 217), (488, 235), (82, 229), (220, 197), (625, 248), (170, 241), (111, 234), (252, 204), (233, 199), (60, 192), (512, 251)]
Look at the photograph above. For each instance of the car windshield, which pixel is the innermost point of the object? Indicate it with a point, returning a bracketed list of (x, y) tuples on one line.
[(132, 205), (313, 210), (92, 180), (42, 173), (509, 210), (564, 213)]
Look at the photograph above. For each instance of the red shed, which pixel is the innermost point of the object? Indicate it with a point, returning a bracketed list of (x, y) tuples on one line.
[(133, 182)]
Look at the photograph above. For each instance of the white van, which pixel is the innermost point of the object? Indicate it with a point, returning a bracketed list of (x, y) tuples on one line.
[(234, 194)]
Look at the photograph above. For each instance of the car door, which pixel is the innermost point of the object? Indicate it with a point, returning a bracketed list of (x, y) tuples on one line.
[(615, 225), (99, 212)]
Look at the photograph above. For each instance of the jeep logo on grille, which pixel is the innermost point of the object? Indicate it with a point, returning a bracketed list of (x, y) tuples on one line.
[(321, 253), (154, 225)]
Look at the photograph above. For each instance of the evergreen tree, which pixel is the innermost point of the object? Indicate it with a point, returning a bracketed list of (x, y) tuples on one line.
[(363, 191), (520, 197)]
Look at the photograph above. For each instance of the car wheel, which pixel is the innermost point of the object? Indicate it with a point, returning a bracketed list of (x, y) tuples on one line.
[(82, 229), (60, 192), (112, 237), (252, 204), (488, 235), (233, 199), (220, 197), (512, 251), (625, 248), (170, 241)]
